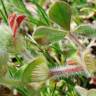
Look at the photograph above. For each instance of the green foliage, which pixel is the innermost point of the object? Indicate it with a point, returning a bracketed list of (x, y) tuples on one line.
[(86, 30), (48, 46), (49, 35), (41, 12), (3, 11), (60, 13)]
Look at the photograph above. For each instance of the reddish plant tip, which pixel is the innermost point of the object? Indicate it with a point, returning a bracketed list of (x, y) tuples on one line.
[(11, 19), (20, 19), (15, 22)]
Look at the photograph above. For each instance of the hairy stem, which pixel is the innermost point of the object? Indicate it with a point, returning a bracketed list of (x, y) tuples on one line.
[(75, 40), (65, 71)]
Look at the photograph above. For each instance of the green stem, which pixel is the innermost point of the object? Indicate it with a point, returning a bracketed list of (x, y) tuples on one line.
[(4, 8), (3, 16)]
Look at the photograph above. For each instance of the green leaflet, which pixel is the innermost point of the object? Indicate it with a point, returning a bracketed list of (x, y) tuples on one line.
[(36, 70), (60, 13), (46, 35), (86, 30)]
